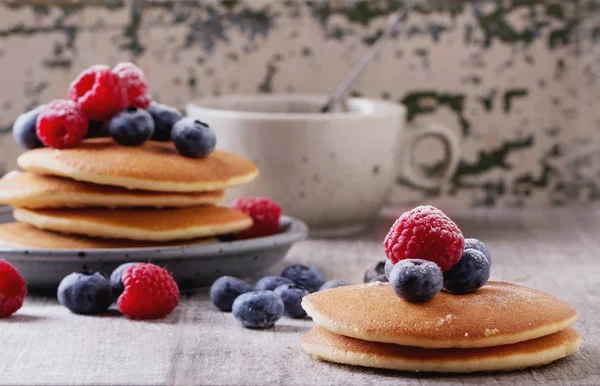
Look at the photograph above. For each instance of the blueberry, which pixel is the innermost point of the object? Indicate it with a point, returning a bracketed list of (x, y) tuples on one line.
[(480, 246), (333, 284), (292, 296), (468, 275), (131, 127), (116, 281), (225, 290), (164, 118), (388, 268), (416, 280), (382, 278), (193, 138), (304, 276), (85, 293), (375, 270), (258, 309), (97, 129), (269, 283), (24, 131)]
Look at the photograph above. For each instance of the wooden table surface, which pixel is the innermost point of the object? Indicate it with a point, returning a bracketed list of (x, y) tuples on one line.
[(552, 250)]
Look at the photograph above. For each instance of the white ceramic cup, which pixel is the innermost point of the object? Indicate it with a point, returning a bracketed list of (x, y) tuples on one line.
[(334, 171)]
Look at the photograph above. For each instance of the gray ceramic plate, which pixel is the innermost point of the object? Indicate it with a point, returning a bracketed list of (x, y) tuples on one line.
[(192, 266)]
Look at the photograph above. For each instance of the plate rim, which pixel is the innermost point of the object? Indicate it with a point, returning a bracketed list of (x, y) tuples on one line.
[(296, 231)]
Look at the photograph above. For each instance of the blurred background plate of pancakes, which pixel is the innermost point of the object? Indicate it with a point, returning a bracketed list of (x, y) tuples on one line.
[(97, 205)]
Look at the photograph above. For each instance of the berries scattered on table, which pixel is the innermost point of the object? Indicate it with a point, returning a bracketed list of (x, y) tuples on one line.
[(24, 129), (468, 275), (225, 290), (388, 268), (99, 93), (265, 216), (165, 118), (131, 127), (427, 233), (150, 292), (116, 279), (416, 280), (134, 84), (61, 124), (12, 289), (292, 295), (333, 284), (309, 278), (193, 138), (258, 309), (480, 246), (269, 283), (85, 293), (375, 272)]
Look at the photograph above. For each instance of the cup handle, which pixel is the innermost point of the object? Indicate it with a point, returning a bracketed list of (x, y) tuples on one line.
[(452, 155)]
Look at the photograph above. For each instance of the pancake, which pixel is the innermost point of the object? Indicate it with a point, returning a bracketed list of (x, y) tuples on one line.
[(31, 190), (152, 166), (25, 236), (331, 347), (139, 224), (497, 314)]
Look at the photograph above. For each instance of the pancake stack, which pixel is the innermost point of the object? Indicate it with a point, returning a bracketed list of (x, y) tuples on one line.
[(500, 327), (103, 195)]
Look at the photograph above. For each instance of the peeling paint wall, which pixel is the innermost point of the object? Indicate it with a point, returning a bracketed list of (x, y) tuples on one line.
[(516, 80)]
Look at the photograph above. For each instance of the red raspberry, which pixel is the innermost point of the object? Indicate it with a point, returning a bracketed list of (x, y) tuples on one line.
[(99, 93), (135, 84), (61, 124), (150, 292), (12, 289), (425, 233), (265, 216)]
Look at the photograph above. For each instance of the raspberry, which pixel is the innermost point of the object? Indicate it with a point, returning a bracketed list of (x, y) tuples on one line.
[(135, 84), (99, 93), (425, 233), (265, 216), (12, 289), (150, 292), (61, 124)]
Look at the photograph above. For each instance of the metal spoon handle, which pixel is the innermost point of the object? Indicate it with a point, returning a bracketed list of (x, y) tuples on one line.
[(394, 22)]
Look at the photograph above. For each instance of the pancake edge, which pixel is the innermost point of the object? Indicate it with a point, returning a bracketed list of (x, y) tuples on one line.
[(503, 363), (495, 340), (92, 229), (57, 168)]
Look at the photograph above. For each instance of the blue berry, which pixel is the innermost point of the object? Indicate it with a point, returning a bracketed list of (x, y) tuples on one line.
[(269, 283), (131, 127), (468, 275), (193, 138), (85, 293), (416, 280), (375, 272), (258, 309), (333, 284), (479, 246), (225, 290), (388, 268), (24, 131), (292, 296), (164, 118), (116, 281), (309, 278)]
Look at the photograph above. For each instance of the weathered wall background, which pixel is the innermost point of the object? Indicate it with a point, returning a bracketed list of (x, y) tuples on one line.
[(517, 80)]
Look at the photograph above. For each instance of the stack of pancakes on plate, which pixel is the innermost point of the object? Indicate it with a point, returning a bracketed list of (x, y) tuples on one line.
[(500, 327), (104, 195)]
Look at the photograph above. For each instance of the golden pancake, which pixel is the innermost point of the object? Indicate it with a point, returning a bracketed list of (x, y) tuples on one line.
[(152, 166), (139, 224), (331, 347), (31, 190), (22, 235), (498, 313)]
